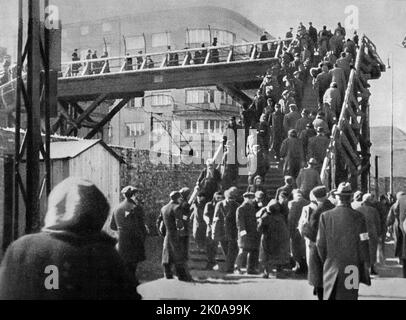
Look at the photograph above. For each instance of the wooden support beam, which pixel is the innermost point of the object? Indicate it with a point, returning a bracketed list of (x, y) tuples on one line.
[(351, 152), (119, 105), (350, 133)]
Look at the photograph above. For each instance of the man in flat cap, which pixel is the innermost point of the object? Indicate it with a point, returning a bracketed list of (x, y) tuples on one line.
[(342, 243), (308, 228), (225, 227), (128, 221), (290, 119), (172, 253), (248, 236)]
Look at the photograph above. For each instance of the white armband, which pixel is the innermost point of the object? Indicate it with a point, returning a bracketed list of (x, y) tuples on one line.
[(243, 233), (364, 236), (185, 217)]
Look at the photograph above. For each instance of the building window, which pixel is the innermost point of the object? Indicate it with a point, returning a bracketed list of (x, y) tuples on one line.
[(135, 129), (162, 39), (84, 30), (223, 37), (160, 127), (199, 96), (135, 43), (198, 36), (107, 27), (226, 99), (191, 126), (161, 99), (213, 126)]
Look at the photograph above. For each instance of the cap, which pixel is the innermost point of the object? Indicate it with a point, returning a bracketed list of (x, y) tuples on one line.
[(292, 133), (320, 129), (344, 188), (249, 195), (312, 161), (128, 191), (319, 192), (175, 195), (184, 192), (367, 197), (357, 195)]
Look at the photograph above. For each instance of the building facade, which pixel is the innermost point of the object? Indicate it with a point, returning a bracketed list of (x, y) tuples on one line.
[(189, 112)]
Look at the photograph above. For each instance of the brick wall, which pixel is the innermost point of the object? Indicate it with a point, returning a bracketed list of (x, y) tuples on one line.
[(155, 181)]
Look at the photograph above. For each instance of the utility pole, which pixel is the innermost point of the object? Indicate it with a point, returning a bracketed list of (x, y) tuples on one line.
[(391, 129)]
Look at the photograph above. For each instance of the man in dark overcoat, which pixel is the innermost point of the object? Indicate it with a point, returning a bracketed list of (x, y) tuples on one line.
[(297, 243), (248, 236), (225, 227), (342, 243), (172, 253), (128, 221), (292, 151)]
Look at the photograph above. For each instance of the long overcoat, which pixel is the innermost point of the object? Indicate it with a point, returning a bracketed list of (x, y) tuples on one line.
[(274, 248), (224, 221), (172, 251), (342, 241), (128, 220), (397, 217), (199, 225), (248, 236)]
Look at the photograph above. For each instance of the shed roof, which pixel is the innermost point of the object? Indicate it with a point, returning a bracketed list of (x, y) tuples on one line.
[(72, 149)]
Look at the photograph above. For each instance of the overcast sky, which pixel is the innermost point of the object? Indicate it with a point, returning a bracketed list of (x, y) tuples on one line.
[(383, 21)]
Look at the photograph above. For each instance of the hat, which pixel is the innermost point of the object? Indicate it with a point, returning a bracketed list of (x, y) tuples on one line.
[(292, 133), (312, 161), (367, 197), (319, 192), (333, 84), (76, 205), (319, 129), (249, 195), (231, 193), (344, 188), (128, 191), (284, 194), (175, 195), (184, 192), (357, 196)]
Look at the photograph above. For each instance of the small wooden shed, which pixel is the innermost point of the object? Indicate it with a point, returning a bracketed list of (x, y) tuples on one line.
[(88, 159)]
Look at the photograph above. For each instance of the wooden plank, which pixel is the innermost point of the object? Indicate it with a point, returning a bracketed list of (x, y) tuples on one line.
[(347, 146), (350, 133)]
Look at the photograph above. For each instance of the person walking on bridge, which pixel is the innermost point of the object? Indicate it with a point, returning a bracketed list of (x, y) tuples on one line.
[(317, 148)]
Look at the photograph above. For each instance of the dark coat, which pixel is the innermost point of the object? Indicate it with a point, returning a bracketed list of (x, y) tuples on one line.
[(317, 148), (89, 268), (199, 225), (128, 220), (248, 236), (224, 221), (373, 222), (172, 248), (274, 248), (288, 188), (341, 242), (396, 217), (292, 151), (310, 229), (209, 185), (297, 243)]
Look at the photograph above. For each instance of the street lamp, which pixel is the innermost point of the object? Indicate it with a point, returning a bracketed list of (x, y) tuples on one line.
[(391, 130)]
